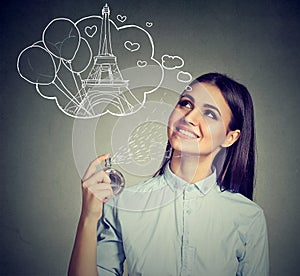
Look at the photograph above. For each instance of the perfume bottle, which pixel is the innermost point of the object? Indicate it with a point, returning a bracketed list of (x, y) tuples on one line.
[(117, 180)]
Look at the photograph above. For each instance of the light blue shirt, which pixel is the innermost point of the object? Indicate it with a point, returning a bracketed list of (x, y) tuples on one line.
[(166, 226)]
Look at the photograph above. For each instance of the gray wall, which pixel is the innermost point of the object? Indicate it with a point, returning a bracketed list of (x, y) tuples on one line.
[(256, 42)]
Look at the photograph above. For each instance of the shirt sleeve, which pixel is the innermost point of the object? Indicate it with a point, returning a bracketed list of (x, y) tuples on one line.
[(255, 262), (110, 252)]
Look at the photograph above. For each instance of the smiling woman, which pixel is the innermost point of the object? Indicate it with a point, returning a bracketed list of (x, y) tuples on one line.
[(225, 113), (196, 215), (198, 127)]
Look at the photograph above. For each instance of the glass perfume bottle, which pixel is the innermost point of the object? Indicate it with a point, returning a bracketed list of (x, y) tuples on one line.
[(117, 180)]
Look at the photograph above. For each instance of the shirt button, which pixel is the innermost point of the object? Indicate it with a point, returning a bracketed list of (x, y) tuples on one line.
[(188, 211)]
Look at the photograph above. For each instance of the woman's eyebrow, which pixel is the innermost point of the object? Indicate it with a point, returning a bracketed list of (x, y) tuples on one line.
[(212, 107), (188, 96)]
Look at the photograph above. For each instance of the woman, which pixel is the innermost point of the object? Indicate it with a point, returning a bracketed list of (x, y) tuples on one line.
[(196, 215)]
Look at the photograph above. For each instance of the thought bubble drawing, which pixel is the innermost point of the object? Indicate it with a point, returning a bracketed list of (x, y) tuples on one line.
[(94, 66), (188, 88), (149, 24), (184, 76), (76, 65), (172, 62)]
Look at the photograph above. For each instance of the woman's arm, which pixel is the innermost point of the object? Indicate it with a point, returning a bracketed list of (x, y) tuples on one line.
[(96, 190), (256, 259), (83, 259)]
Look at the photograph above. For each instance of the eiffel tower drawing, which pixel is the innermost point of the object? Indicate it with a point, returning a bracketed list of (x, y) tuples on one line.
[(104, 85), (105, 71)]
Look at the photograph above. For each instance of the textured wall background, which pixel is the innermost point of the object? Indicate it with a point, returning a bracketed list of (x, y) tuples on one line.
[(256, 42)]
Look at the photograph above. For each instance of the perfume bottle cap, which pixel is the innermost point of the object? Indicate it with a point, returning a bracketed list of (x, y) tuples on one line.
[(108, 162)]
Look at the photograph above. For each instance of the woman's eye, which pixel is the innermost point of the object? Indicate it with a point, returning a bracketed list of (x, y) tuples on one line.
[(210, 114), (185, 103)]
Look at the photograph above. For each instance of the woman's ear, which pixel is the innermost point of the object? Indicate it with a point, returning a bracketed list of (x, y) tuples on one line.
[(231, 137)]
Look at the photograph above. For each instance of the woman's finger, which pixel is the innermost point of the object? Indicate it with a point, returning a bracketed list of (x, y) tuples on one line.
[(101, 190), (98, 177), (92, 168)]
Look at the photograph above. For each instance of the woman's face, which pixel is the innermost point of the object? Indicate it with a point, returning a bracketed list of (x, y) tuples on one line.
[(199, 122)]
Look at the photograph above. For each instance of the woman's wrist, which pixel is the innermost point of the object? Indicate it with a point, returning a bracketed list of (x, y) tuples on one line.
[(88, 219)]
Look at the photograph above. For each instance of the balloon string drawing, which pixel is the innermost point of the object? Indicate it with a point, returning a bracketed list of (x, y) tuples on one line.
[(96, 65)]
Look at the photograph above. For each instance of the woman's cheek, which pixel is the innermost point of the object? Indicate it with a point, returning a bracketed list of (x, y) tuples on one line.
[(174, 117), (218, 135)]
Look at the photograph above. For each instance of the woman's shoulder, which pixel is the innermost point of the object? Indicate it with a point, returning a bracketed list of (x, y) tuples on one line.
[(240, 211), (239, 204)]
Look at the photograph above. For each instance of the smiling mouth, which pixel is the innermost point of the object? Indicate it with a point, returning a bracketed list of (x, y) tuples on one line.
[(187, 133)]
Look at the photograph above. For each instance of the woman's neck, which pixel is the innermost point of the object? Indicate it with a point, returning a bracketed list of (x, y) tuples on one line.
[(191, 168)]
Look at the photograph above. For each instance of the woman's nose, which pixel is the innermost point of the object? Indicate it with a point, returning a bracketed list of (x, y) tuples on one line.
[(193, 117)]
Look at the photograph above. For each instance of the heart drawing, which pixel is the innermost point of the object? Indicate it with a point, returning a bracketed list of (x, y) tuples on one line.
[(141, 63), (131, 46), (121, 18), (90, 30)]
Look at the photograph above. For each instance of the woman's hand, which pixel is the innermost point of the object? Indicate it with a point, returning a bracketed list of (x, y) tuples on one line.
[(96, 190)]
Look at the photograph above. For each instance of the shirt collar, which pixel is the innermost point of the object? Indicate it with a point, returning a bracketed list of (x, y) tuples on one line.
[(204, 185)]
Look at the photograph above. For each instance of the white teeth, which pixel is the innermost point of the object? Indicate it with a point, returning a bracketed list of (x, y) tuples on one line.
[(187, 133)]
